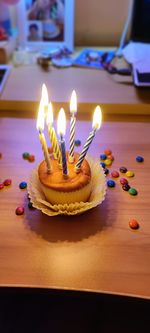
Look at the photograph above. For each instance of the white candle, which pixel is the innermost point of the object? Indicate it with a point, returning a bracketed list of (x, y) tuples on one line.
[(73, 111), (97, 119), (61, 129), (40, 128)]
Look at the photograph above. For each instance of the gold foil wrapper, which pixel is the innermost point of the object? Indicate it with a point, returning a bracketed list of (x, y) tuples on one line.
[(96, 198)]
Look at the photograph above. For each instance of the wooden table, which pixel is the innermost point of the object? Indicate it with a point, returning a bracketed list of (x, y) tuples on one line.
[(96, 251)]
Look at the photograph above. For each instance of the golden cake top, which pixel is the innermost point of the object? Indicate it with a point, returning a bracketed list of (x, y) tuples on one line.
[(57, 181)]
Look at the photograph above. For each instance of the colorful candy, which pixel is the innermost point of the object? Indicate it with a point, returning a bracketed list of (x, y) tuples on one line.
[(111, 183), (1, 186), (0, 155), (133, 224), (106, 171), (108, 162), (126, 187), (19, 211), (123, 169), (103, 157), (130, 174), (23, 185), (31, 158), (77, 143), (115, 174), (102, 164), (133, 191), (140, 159), (107, 152), (7, 182), (25, 155), (30, 205), (123, 181)]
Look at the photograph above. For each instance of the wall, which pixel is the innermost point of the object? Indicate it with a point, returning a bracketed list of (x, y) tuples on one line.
[(99, 22)]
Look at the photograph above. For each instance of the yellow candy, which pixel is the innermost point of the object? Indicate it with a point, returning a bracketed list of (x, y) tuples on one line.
[(108, 162), (130, 174)]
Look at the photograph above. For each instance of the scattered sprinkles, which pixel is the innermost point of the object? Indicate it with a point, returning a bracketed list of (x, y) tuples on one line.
[(23, 185), (1, 186), (133, 191), (140, 159), (123, 169), (115, 174), (123, 181), (126, 187), (130, 174), (7, 182), (77, 143), (29, 157), (133, 224), (19, 211), (111, 183)]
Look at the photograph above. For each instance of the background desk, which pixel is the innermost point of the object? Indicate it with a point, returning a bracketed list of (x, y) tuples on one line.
[(96, 251), (23, 91)]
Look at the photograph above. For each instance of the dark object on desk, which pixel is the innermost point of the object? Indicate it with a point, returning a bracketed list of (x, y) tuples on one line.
[(140, 27), (141, 79), (39, 310), (111, 68)]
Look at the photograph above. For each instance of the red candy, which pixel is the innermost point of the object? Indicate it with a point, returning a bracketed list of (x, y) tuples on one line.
[(110, 157), (133, 224), (123, 181), (1, 186), (107, 152), (7, 182), (115, 174), (19, 211), (0, 155), (31, 158)]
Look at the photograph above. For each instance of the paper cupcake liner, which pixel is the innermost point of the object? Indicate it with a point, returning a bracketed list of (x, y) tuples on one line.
[(96, 198)]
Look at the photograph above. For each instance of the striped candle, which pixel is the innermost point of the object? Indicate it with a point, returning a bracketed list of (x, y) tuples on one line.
[(52, 134), (97, 118), (61, 129), (40, 128), (73, 111)]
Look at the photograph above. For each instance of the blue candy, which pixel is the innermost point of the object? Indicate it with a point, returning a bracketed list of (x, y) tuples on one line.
[(103, 156), (23, 185), (103, 165), (139, 159), (111, 183)]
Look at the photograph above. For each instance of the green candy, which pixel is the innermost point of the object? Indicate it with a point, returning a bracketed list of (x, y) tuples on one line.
[(133, 191), (25, 155)]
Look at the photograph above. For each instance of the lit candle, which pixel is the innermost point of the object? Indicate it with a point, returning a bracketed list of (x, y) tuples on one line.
[(40, 128), (45, 98), (61, 129), (97, 119), (52, 134), (73, 111)]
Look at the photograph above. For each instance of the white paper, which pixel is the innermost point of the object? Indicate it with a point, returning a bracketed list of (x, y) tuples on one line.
[(138, 54)]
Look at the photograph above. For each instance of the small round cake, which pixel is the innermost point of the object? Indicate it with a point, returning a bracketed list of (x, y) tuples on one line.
[(76, 187)]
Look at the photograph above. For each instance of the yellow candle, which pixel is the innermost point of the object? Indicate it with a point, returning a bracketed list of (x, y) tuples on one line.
[(73, 111), (52, 134), (40, 128)]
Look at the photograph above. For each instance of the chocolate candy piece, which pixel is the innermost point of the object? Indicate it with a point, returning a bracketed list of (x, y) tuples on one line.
[(108, 162), (111, 183), (126, 187), (115, 174), (133, 191), (140, 159), (19, 211), (31, 158), (110, 157), (77, 143), (25, 155), (0, 155), (23, 185), (103, 157), (30, 205), (1, 186), (106, 171), (7, 182), (133, 224), (130, 174), (123, 181), (123, 169)]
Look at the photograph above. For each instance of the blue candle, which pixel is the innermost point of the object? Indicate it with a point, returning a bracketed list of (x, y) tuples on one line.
[(61, 129)]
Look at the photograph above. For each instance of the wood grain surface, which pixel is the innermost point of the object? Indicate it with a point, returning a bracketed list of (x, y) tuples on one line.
[(96, 251)]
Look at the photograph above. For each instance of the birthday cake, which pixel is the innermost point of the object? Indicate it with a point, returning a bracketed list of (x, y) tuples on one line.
[(76, 187)]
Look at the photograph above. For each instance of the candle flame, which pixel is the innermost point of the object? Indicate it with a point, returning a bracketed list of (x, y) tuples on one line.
[(97, 118), (49, 116), (73, 102), (61, 123), (40, 118), (45, 95)]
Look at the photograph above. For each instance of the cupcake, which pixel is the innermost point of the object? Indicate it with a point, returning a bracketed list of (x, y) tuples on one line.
[(76, 187)]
